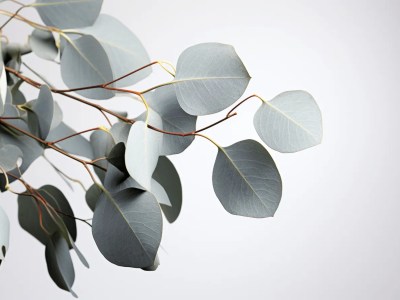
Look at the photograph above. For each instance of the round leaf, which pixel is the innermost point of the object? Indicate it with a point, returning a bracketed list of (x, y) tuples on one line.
[(209, 78), (43, 44), (124, 50), (290, 122), (127, 228), (68, 13), (246, 180), (85, 63)]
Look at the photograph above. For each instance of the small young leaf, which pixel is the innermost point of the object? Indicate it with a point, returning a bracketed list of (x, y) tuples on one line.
[(290, 122), (85, 63), (66, 14), (127, 228), (124, 50), (4, 234), (246, 180), (59, 263), (43, 44), (142, 152), (167, 176), (209, 78)]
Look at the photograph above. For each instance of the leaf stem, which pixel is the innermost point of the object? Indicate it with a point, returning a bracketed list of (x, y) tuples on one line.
[(243, 101)]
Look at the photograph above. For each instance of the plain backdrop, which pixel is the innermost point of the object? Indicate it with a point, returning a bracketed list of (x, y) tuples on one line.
[(336, 232)]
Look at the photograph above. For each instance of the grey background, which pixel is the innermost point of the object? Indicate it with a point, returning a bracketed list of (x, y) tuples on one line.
[(335, 235)]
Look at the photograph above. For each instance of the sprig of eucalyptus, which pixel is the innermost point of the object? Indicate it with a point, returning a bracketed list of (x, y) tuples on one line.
[(134, 182)]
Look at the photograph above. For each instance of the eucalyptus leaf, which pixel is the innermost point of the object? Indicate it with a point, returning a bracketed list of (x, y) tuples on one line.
[(29, 211), (164, 103), (17, 96), (65, 14), (154, 266), (246, 180), (40, 113), (4, 234), (102, 143), (124, 50), (116, 181), (120, 132), (9, 156), (77, 145), (93, 195), (159, 192), (117, 157), (142, 152), (290, 122), (3, 85), (43, 44), (85, 63), (127, 228), (167, 176), (209, 78), (59, 263)]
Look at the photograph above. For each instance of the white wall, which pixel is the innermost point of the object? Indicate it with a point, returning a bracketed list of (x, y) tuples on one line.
[(335, 235)]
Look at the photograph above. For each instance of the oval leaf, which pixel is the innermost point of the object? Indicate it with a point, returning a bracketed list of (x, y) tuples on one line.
[(174, 119), (127, 228), (142, 152), (167, 176), (290, 122), (65, 14), (209, 78), (4, 234), (246, 180), (40, 113), (93, 195), (9, 155), (59, 263), (29, 211), (85, 63), (43, 44), (124, 50)]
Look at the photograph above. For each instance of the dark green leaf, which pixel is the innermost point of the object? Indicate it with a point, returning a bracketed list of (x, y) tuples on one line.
[(93, 195), (59, 263)]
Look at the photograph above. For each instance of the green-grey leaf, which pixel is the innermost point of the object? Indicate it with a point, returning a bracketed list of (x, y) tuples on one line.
[(290, 122), (29, 211), (40, 113), (127, 228), (77, 145), (116, 181), (154, 266), (85, 63), (93, 195), (65, 14), (59, 263), (167, 176), (102, 143), (3, 84), (142, 152), (174, 119), (43, 44), (209, 78), (246, 180), (4, 234), (159, 192), (120, 132), (124, 50), (9, 155), (117, 157)]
